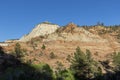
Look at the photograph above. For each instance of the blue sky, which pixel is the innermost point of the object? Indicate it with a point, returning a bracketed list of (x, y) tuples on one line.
[(18, 17)]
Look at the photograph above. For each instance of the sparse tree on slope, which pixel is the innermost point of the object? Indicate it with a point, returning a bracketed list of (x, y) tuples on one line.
[(18, 50), (83, 66), (116, 60)]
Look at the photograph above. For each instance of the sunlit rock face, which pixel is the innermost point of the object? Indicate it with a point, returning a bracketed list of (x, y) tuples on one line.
[(40, 30), (73, 33)]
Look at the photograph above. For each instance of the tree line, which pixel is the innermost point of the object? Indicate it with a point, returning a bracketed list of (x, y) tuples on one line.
[(83, 67)]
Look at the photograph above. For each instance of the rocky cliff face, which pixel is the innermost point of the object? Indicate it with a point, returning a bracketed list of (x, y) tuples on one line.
[(73, 33), (40, 30)]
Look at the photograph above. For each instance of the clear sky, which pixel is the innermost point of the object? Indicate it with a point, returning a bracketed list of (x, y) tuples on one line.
[(18, 17)]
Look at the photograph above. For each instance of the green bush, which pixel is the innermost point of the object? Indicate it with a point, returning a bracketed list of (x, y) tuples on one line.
[(65, 75), (43, 47), (28, 72)]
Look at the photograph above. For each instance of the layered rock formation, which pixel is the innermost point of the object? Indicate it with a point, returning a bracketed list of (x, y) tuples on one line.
[(72, 36), (63, 41), (73, 33), (40, 30)]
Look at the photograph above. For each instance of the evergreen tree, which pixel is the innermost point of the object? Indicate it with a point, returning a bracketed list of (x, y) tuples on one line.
[(83, 66), (18, 50), (116, 60), (1, 51)]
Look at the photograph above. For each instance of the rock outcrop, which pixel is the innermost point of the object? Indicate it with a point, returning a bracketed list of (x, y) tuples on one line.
[(73, 33), (40, 30)]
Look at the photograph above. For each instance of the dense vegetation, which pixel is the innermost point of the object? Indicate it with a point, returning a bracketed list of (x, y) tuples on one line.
[(83, 67)]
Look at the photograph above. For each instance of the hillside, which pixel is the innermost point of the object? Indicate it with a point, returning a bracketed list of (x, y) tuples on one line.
[(62, 41), (53, 45)]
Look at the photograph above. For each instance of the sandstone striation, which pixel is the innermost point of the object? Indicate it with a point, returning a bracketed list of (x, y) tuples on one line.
[(40, 30), (73, 33), (101, 41)]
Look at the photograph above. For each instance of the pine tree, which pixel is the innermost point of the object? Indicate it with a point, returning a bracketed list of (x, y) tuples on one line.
[(116, 60), (83, 66), (1, 51), (18, 50)]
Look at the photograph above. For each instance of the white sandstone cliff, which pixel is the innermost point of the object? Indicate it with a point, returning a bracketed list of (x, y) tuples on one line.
[(40, 30)]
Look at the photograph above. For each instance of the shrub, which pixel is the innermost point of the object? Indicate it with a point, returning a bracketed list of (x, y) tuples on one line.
[(28, 72), (65, 75), (52, 55), (68, 58), (40, 54), (43, 47), (60, 66)]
